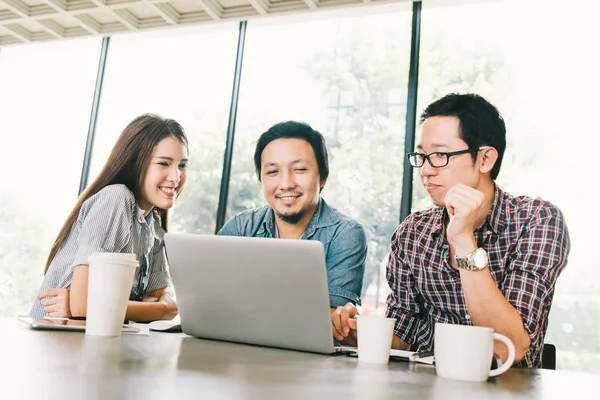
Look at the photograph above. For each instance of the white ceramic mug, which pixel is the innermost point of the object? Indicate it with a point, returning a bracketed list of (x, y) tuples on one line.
[(465, 352), (109, 284), (375, 335)]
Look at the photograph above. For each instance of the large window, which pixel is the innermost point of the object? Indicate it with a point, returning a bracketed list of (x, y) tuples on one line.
[(46, 93), (347, 77), (545, 82), (184, 75), (346, 74)]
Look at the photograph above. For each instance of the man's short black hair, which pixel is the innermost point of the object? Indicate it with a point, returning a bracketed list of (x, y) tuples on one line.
[(294, 130), (481, 124)]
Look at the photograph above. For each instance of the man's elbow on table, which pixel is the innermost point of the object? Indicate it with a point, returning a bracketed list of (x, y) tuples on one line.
[(522, 346)]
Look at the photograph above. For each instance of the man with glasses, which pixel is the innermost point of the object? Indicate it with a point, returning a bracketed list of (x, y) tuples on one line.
[(480, 256)]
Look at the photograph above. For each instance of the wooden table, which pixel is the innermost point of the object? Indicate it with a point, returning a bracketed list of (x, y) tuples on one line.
[(58, 364)]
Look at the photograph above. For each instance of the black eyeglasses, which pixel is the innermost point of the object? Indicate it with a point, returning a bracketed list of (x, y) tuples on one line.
[(142, 281), (436, 159)]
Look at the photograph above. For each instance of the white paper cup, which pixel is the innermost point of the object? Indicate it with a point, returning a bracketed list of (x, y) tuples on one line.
[(374, 338), (109, 284)]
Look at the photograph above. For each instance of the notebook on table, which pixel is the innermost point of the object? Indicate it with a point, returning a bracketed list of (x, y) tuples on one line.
[(66, 324)]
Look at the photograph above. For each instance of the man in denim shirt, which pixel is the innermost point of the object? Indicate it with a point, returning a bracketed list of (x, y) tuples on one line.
[(292, 164)]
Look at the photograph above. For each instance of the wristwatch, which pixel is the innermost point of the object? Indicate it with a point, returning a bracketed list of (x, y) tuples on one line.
[(474, 261)]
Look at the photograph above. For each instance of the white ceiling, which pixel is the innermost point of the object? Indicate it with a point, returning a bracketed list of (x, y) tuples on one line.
[(26, 21)]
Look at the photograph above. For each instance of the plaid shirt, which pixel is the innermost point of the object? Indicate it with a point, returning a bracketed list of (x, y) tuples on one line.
[(527, 244)]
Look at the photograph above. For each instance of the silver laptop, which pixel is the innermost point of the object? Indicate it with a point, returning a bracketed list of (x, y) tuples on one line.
[(269, 292)]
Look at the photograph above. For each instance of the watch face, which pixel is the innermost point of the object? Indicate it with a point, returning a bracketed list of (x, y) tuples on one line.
[(480, 258)]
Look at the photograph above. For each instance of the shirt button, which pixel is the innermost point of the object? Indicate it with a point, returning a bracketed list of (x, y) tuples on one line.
[(467, 316)]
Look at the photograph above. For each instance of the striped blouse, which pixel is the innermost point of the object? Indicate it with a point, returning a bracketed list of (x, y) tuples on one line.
[(111, 222)]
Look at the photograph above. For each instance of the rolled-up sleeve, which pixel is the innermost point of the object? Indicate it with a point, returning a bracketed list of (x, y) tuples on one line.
[(346, 265), (402, 302), (535, 264)]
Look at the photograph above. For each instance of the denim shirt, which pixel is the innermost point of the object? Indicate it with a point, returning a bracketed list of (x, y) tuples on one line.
[(344, 240)]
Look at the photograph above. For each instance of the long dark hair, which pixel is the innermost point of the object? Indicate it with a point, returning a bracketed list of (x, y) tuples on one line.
[(127, 165)]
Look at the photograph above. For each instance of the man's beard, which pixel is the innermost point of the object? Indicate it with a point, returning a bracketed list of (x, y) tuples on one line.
[(292, 219)]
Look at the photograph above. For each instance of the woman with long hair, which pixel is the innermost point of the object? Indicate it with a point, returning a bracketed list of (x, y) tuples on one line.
[(125, 210)]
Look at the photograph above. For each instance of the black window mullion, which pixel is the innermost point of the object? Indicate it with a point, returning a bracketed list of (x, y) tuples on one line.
[(227, 157), (411, 110), (89, 145)]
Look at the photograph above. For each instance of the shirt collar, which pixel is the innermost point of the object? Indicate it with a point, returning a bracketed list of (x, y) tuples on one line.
[(140, 215), (496, 217), (153, 221), (438, 221), (324, 216), (268, 224)]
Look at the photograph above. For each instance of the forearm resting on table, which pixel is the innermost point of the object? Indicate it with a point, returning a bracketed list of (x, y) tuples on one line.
[(141, 311), (399, 344), (148, 310)]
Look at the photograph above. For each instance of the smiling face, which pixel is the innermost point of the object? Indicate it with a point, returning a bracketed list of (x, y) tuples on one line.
[(166, 172), (290, 179), (441, 134)]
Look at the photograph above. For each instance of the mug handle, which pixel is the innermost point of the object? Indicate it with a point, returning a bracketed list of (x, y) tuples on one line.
[(511, 355)]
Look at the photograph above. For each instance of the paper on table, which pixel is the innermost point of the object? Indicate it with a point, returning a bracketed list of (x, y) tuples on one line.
[(144, 330), (67, 324), (412, 356)]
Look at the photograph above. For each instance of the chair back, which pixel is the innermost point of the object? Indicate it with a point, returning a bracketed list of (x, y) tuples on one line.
[(549, 356)]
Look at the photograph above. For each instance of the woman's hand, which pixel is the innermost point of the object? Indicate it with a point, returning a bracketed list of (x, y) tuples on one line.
[(56, 302), (171, 309)]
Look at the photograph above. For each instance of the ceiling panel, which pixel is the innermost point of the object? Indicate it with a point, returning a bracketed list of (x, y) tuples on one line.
[(27, 21)]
